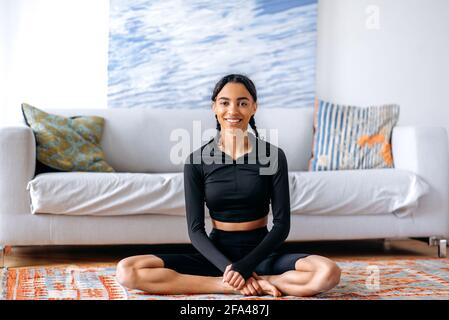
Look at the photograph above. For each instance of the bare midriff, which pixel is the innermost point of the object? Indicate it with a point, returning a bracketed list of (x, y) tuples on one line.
[(240, 226)]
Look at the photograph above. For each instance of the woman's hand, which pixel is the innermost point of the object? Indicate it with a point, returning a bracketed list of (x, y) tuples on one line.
[(252, 288), (233, 278), (248, 287)]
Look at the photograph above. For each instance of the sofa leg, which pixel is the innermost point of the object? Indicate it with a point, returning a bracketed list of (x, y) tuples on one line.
[(387, 244), (442, 248), (2, 256), (442, 245)]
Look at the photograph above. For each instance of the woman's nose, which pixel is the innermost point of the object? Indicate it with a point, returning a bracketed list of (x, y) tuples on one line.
[(233, 105)]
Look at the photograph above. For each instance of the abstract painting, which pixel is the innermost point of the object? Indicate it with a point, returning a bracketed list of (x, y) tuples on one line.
[(170, 53)]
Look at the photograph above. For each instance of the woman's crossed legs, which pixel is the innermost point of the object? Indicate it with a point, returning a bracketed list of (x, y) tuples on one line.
[(293, 274)]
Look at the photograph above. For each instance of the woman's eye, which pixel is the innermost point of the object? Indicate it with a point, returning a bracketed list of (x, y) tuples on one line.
[(226, 103)]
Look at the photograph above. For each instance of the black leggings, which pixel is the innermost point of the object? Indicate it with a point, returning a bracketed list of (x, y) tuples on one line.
[(234, 245)]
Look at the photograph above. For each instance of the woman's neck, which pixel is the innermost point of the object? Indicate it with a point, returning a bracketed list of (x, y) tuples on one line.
[(235, 144)]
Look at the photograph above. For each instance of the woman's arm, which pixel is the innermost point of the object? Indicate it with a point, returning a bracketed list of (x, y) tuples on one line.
[(194, 201), (280, 204)]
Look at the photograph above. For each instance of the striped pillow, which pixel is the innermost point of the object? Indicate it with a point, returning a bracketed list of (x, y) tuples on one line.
[(348, 137)]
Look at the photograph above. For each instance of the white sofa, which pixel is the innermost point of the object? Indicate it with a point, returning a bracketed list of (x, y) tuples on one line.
[(137, 143)]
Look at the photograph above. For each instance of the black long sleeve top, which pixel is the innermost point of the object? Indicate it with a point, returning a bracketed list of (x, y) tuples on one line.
[(236, 190)]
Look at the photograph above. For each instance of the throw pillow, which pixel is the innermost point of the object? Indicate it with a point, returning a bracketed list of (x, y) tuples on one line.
[(67, 144), (350, 137)]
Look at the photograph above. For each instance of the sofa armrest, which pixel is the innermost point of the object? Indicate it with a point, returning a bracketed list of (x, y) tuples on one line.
[(17, 166), (424, 150)]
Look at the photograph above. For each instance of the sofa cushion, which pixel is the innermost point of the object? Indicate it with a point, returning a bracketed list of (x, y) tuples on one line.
[(347, 192), (157, 140), (99, 193), (361, 192), (66, 144), (349, 137)]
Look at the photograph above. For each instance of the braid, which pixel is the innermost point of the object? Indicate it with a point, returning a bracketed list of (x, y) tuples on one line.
[(252, 123), (218, 124)]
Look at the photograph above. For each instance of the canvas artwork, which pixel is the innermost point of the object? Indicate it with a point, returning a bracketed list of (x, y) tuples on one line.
[(170, 53)]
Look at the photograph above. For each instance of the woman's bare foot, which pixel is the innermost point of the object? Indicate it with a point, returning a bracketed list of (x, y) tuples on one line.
[(268, 287)]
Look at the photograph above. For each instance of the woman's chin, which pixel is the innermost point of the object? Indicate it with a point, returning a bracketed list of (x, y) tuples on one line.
[(234, 128)]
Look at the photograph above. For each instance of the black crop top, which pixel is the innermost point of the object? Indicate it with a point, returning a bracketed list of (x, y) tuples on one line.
[(234, 191)]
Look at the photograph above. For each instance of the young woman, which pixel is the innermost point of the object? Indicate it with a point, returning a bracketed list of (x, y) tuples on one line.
[(240, 255)]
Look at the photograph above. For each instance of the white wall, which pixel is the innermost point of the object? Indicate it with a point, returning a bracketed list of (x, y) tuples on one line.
[(57, 54), (405, 61), (3, 33)]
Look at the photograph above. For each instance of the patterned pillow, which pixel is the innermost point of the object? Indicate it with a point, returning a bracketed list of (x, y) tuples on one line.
[(348, 137), (67, 144)]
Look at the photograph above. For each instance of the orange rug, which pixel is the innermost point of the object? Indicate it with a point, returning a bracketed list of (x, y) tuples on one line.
[(411, 278)]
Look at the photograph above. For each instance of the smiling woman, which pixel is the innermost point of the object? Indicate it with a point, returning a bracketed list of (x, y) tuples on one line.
[(240, 254), (234, 104)]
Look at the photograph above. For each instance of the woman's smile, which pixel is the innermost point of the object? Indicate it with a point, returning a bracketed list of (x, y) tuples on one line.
[(233, 120)]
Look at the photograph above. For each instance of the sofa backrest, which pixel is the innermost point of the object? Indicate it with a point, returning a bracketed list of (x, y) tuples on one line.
[(138, 139)]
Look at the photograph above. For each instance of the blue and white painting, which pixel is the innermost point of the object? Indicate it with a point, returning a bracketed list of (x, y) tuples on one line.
[(170, 53)]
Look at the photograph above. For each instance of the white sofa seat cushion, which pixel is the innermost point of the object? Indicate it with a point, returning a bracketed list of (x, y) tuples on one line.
[(99, 193), (345, 192), (356, 192)]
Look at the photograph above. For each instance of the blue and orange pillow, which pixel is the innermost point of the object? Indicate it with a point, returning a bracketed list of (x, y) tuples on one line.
[(350, 137)]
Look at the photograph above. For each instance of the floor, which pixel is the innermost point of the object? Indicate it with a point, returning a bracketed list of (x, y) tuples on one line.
[(356, 249)]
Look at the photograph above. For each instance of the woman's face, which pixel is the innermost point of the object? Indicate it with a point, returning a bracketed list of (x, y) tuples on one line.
[(234, 107)]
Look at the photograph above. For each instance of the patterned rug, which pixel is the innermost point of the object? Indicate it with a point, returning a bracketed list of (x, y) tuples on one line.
[(411, 278)]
